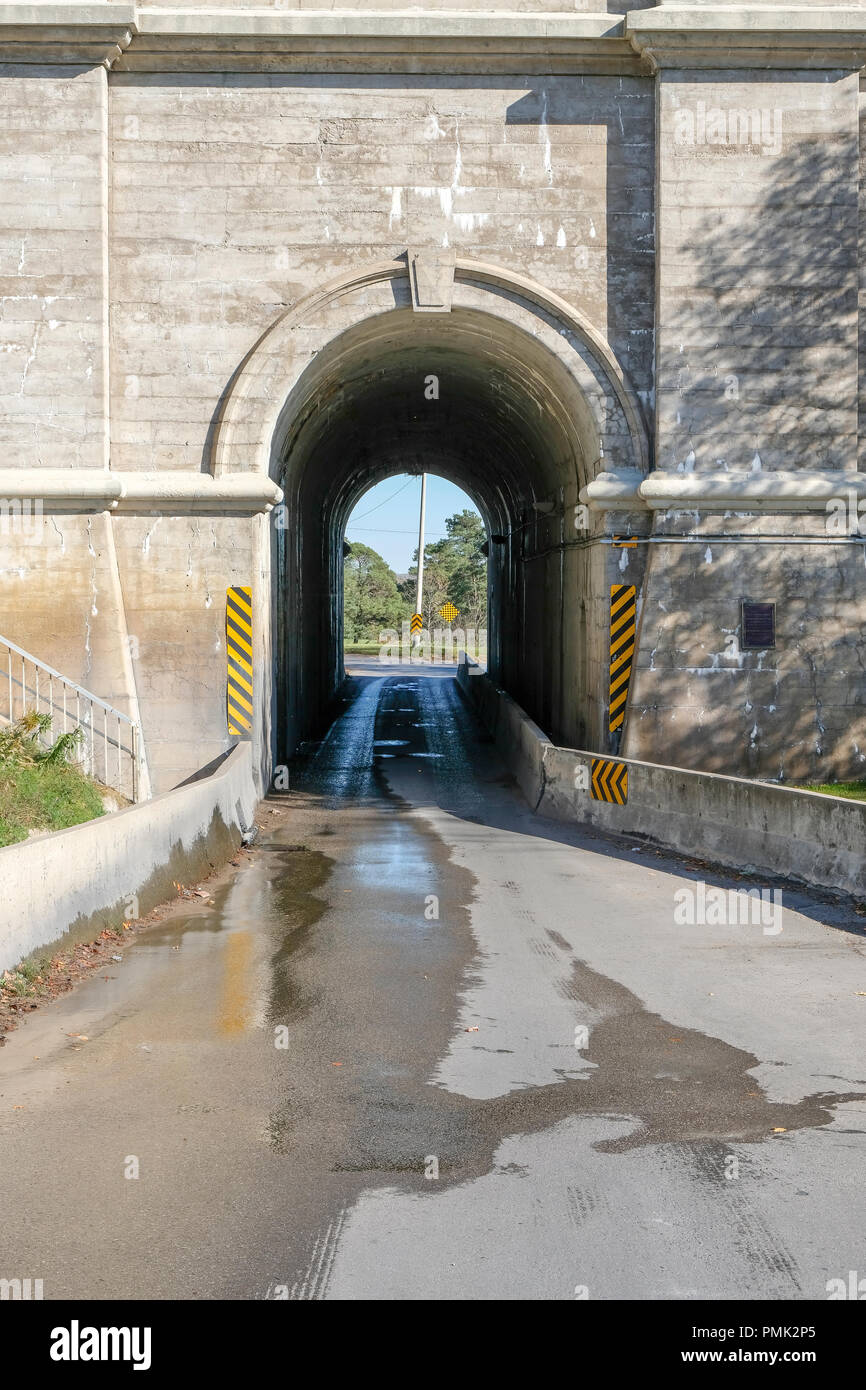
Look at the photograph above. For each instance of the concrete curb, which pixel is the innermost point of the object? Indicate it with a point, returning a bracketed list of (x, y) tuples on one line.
[(732, 821), (80, 880)]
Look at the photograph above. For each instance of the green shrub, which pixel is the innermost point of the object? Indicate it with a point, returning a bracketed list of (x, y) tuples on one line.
[(39, 788)]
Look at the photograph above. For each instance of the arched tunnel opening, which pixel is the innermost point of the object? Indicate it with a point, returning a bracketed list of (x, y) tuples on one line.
[(481, 402), (381, 573)]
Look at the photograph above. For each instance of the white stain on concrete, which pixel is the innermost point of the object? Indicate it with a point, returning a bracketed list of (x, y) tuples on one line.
[(145, 545), (432, 128), (544, 138)]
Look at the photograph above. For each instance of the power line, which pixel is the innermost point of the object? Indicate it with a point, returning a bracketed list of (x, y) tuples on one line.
[(410, 479), (384, 531)]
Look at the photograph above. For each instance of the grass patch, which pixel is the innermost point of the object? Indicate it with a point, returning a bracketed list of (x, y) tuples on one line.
[(855, 791), (23, 982), (44, 797), (39, 788)]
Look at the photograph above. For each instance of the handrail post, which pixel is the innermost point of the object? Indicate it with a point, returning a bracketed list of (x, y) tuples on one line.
[(135, 763)]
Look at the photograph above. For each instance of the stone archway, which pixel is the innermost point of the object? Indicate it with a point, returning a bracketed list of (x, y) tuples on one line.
[(531, 406)]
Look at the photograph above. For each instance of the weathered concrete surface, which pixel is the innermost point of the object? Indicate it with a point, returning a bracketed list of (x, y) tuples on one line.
[(727, 820), (94, 875), (645, 1165)]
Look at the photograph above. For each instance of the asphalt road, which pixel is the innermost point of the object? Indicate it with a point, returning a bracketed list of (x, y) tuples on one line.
[(427, 1045)]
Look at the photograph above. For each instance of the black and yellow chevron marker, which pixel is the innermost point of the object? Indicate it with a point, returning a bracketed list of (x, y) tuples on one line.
[(239, 659), (622, 630), (417, 623), (609, 781)]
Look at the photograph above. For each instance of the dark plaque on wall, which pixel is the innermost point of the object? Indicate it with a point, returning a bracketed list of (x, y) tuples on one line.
[(758, 626)]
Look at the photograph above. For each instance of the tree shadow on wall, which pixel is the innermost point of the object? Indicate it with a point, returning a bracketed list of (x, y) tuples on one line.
[(758, 289), (757, 363)]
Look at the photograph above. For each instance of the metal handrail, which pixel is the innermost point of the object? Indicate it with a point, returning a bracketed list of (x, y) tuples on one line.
[(20, 690), (79, 689)]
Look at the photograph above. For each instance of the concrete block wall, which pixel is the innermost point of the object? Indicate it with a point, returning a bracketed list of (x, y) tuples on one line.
[(757, 270), (231, 197), (53, 222)]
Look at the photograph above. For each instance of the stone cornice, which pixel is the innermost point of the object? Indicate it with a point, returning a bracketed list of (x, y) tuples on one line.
[(749, 36), (346, 40), (718, 492), (147, 39), (88, 35), (168, 492)]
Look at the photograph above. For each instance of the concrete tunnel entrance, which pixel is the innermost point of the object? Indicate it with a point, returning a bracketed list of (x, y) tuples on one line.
[(530, 406), (487, 407)]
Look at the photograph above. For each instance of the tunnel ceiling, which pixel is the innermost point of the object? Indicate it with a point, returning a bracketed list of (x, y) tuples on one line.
[(510, 425)]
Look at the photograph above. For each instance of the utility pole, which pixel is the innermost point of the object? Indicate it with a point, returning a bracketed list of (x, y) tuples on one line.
[(420, 590)]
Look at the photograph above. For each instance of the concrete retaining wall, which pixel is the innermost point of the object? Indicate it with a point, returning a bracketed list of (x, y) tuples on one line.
[(729, 820), (99, 873)]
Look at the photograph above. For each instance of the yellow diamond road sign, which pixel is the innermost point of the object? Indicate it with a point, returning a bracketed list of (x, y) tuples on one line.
[(448, 612)]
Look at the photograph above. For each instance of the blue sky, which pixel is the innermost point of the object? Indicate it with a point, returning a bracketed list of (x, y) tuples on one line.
[(391, 521)]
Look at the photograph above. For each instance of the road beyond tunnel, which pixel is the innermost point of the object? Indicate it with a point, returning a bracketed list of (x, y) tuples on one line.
[(428, 1045)]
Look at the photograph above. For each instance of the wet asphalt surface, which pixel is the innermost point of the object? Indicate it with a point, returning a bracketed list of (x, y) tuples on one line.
[(356, 1076)]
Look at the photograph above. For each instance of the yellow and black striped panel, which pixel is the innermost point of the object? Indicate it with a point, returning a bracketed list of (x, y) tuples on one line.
[(239, 659), (417, 623), (622, 631), (609, 781)]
